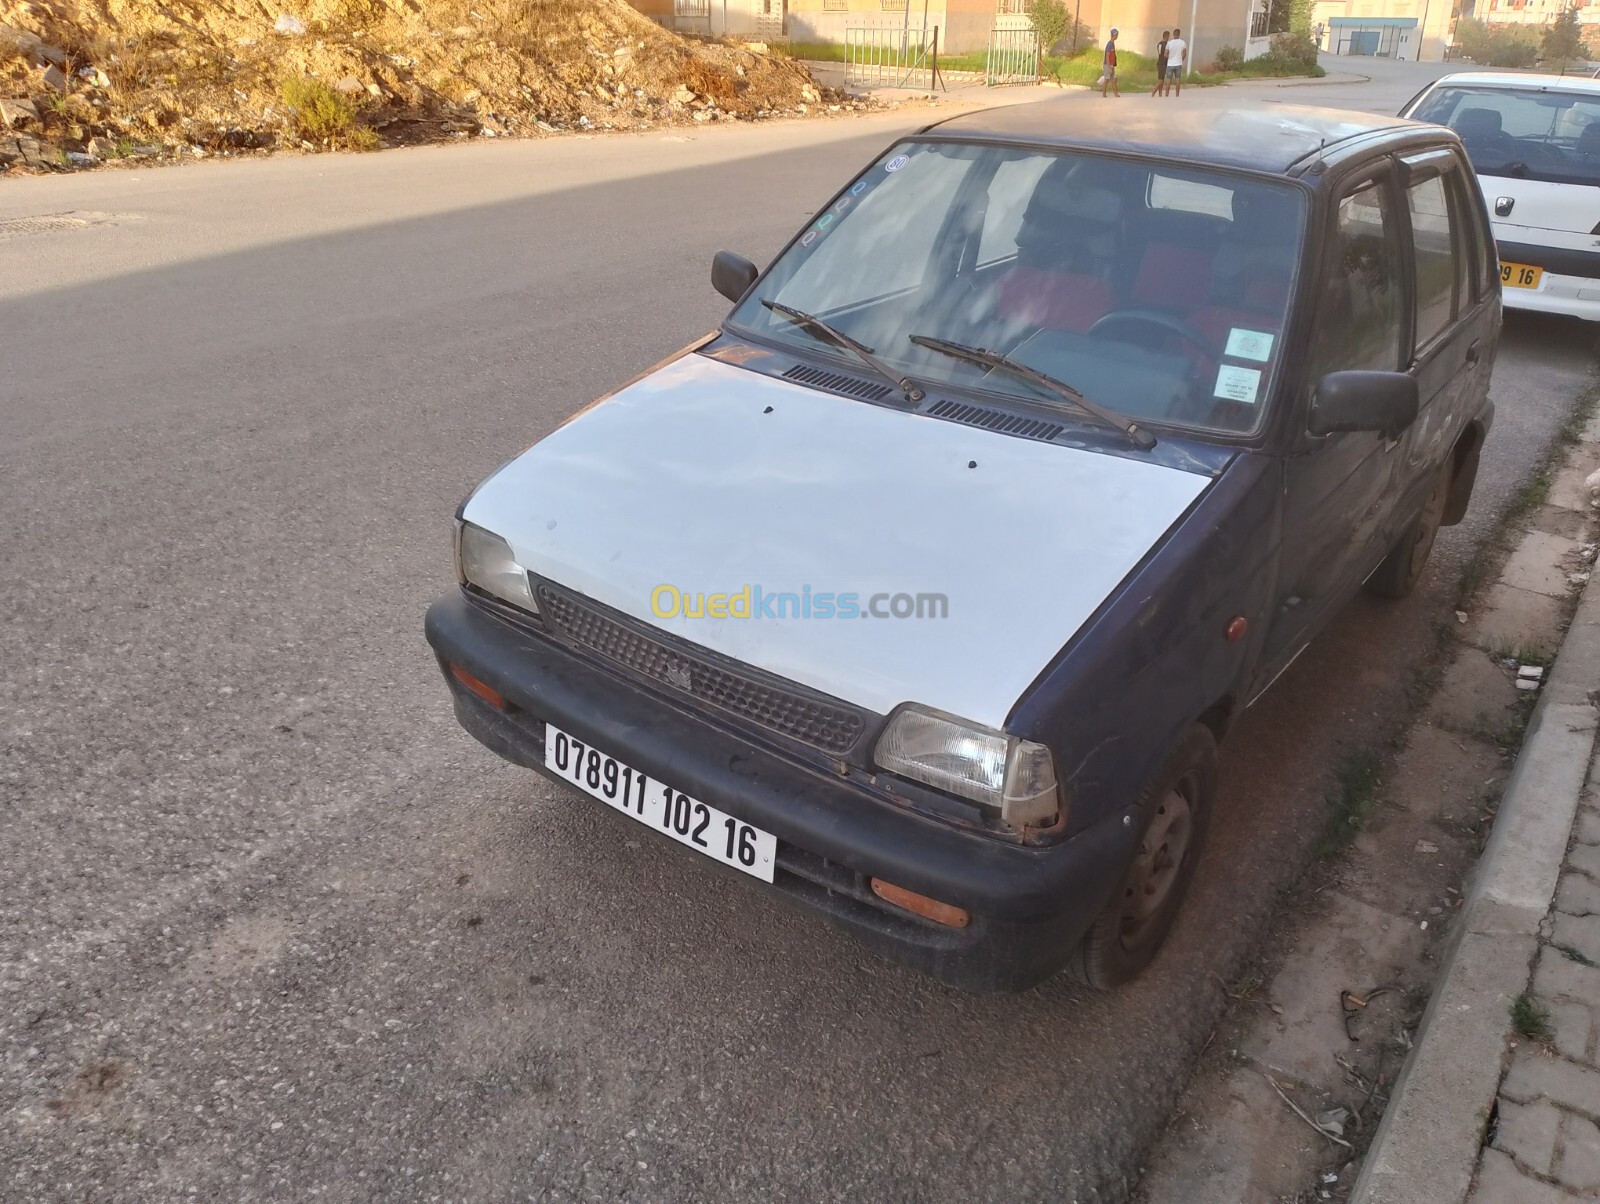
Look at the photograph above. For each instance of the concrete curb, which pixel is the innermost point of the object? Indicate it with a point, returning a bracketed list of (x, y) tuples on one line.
[(1428, 1143)]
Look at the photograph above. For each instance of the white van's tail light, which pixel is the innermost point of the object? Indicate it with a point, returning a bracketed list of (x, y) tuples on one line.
[(1017, 778)]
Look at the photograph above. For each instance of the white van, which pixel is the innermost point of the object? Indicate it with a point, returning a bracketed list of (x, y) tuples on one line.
[(1534, 141)]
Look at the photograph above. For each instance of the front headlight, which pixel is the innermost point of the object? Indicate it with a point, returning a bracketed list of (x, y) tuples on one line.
[(484, 560), (1015, 777)]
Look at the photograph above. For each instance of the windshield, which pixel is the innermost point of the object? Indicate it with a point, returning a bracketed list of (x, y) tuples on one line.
[(1158, 292), (1529, 133)]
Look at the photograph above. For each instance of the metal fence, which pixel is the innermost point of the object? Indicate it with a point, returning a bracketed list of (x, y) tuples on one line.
[(1013, 57), (895, 56)]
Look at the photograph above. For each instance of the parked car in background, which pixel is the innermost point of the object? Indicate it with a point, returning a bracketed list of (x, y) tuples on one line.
[(1534, 141), (923, 590)]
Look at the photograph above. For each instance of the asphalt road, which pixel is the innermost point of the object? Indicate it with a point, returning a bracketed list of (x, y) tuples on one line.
[(271, 926)]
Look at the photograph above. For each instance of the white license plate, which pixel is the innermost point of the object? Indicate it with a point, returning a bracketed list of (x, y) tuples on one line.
[(657, 805)]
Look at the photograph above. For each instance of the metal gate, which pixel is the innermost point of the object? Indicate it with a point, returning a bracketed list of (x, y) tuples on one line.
[(1013, 57), (894, 56)]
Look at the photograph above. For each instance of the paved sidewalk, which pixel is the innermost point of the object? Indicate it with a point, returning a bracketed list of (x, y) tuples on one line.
[(1546, 1144), (1500, 1098)]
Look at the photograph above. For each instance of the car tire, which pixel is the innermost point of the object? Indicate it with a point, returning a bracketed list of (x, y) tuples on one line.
[(1402, 568), (1175, 808)]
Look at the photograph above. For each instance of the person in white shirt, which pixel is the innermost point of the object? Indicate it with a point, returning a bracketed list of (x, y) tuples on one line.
[(1177, 63)]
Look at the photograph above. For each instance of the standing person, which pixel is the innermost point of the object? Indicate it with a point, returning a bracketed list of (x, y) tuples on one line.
[(1108, 68), (1161, 62), (1177, 60)]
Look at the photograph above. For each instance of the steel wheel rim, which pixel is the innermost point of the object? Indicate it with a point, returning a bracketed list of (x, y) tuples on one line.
[(1157, 865)]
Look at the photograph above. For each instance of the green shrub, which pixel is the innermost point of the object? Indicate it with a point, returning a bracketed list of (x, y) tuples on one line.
[(1298, 49), (1229, 58), (317, 113)]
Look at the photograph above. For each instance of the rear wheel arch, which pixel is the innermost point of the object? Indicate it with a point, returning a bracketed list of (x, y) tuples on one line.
[(1463, 473)]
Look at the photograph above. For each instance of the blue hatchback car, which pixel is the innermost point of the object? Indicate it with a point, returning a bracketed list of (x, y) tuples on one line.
[(923, 590)]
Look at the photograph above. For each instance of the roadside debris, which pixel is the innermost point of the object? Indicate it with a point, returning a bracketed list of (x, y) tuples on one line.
[(1334, 1135), (1529, 677), (221, 75)]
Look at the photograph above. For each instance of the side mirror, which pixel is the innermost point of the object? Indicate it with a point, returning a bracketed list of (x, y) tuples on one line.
[(732, 275), (1364, 401)]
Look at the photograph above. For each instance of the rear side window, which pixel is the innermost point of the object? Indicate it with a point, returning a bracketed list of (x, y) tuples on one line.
[(1361, 310), (1434, 242)]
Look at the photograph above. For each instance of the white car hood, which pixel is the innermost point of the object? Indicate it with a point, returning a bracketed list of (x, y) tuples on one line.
[(709, 478)]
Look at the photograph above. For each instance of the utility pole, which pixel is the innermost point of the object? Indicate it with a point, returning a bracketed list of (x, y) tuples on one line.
[(1194, 10)]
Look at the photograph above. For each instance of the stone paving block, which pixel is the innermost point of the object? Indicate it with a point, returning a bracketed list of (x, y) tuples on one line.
[(1500, 1182), (1576, 932), (1511, 620), (1559, 977), (1538, 564), (1528, 1133), (1585, 857), (1572, 1024), (1477, 694), (1536, 1074), (1587, 829), (1567, 490), (1559, 521), (1578, 895), (1579, 1167)]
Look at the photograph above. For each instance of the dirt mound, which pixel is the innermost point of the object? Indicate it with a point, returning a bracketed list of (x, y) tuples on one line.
[(111, 78)]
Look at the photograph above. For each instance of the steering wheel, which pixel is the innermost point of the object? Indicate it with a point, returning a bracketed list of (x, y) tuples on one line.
[(1164, 322)]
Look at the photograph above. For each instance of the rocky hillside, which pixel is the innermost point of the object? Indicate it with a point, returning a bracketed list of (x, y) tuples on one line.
[(89, 80)]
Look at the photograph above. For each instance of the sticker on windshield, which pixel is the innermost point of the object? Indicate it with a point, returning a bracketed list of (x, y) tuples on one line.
[(809, 237), (860, 187), (1237, 384), (1249, 344), (896, 163)]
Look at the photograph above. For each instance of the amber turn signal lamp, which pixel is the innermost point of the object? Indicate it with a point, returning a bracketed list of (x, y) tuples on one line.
[(1236, 629), (488, 693), (928, 909)]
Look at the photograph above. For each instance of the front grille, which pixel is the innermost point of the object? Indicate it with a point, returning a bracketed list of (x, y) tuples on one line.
[(787, 710)]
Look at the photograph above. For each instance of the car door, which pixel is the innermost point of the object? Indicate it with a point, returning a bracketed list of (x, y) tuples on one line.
[(1337, 487), (1451, 338)]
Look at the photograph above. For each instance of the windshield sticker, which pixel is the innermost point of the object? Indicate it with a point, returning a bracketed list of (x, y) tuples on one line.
[(825, 221), (896, 163), (1249, 344), (1237, 384), (809, 237), (861, 186), (843, 204)]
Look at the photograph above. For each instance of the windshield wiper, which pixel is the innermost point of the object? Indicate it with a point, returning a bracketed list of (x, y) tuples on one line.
[(908, 388), (1136, 434)]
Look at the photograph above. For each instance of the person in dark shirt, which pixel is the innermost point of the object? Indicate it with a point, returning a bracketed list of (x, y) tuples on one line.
[(1161, 62)]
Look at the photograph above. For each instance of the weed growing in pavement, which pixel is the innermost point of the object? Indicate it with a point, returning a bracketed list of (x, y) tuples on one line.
[(1573, 955), (1531, 1018), (1352, 801), (1532, 494), (1588, 403)]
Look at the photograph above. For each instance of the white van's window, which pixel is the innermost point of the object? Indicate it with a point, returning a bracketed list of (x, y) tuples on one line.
[(1435, 257), (1530, 134)]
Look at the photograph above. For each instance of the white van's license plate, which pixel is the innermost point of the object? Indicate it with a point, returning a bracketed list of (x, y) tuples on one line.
[(699, 825), (1520, 275)]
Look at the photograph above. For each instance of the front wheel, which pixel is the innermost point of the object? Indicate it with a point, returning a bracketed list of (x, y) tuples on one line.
[(1402, 568), (1175, 808)]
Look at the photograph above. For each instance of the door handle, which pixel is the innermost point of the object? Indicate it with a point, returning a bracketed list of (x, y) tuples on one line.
[(1474, 353)]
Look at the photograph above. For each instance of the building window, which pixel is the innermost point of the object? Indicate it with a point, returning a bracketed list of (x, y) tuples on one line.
[(1011, 6), (892, 6), (691, 8), (835, 6)]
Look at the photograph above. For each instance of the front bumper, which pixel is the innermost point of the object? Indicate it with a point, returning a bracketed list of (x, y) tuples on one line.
[(1029, 905)]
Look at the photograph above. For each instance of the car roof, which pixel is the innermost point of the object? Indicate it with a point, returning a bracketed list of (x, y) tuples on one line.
[(1522, 79), (1271, 137)]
